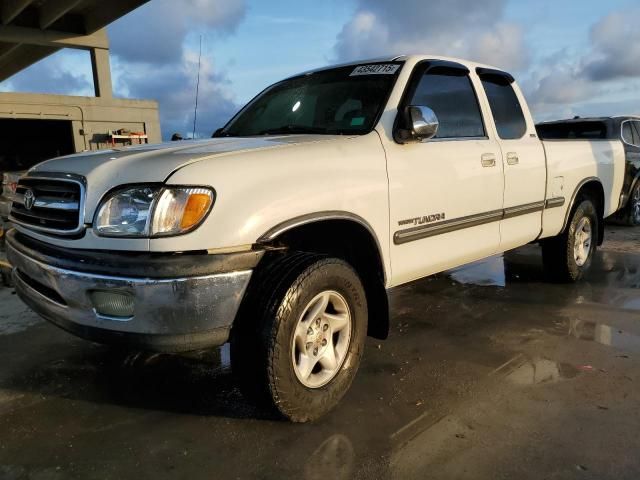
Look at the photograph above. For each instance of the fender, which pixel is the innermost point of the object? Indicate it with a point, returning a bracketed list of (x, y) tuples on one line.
[(306, 219)]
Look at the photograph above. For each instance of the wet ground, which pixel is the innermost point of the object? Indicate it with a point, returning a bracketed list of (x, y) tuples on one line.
[(490, 372)]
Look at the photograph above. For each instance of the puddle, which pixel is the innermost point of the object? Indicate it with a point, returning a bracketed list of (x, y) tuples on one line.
[(605, 335), (488, 272), (541, 370)]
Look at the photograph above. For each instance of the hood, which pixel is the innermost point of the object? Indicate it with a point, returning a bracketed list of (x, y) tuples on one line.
[(106, 169)]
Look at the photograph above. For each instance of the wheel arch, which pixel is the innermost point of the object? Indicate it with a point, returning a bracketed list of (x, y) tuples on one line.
[(325, 233), (592, 188)]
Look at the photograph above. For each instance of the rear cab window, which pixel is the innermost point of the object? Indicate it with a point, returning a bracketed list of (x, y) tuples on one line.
[(505, 106)]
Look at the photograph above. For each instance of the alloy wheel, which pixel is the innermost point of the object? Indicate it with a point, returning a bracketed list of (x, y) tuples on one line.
[(321, 339)]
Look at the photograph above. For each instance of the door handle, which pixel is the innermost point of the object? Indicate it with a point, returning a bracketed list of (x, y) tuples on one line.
[(512, 158), (488, 160)]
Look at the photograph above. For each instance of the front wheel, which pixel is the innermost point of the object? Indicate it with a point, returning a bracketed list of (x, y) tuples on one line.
[(568, 256), (300, 340)]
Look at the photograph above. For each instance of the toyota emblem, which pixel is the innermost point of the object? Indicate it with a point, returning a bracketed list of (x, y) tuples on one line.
[(29, 199)]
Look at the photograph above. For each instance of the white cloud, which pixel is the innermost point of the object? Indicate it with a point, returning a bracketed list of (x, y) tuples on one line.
[(152, 60), (503, 45), (155, 33), (557, 79), (463, 28), (615, 47), (66, 72), (173, 85), (588, 83)]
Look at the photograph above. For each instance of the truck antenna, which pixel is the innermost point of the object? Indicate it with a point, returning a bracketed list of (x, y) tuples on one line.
[(195, 110)]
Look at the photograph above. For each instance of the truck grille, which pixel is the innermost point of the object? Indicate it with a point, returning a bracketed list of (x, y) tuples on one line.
[(49, 204)]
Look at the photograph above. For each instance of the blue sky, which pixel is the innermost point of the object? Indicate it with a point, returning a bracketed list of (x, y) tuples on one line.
[(570, 56)]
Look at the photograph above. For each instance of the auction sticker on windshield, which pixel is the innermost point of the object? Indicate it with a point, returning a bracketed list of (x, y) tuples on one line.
[(378, 69)]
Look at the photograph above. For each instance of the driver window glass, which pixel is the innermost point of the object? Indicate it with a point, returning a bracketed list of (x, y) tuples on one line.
[(454, 102)]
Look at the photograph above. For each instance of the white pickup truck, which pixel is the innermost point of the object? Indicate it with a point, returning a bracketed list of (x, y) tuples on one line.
[(283, 233)]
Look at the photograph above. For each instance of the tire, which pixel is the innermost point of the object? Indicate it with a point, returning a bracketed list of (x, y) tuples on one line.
[(631, 215), (563, 262), (276, 339)]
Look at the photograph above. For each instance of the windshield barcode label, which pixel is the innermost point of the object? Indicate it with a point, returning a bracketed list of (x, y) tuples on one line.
[(379, 69)]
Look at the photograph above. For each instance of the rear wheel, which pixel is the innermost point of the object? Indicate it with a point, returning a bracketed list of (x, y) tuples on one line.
[(568, 256), (299, 341)]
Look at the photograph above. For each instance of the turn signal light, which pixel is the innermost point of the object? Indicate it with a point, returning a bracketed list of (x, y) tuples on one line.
[(196, 208)]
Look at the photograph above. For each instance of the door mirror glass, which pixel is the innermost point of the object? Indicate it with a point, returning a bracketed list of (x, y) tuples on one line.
[(424, 122)]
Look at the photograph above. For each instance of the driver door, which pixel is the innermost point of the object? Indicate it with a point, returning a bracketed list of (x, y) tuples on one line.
[(446, 194)]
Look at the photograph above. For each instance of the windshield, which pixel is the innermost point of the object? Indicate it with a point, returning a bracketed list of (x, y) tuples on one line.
[(345, 100)]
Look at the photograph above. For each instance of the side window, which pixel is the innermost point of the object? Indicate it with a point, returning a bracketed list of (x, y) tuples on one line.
[(636, 133), (627, 133), (454, 101), (505, 107)]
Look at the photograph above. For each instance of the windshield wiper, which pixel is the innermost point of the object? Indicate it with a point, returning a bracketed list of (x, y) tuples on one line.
[(293, 129)]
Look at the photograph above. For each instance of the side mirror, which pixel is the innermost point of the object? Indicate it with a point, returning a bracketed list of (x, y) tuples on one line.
[(419, 123)]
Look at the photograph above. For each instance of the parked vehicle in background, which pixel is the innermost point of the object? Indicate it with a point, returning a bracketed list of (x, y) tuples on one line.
[(625, 129), (283, 233)]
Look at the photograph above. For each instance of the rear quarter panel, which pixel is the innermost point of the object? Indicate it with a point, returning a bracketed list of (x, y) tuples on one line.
[(569, 164)]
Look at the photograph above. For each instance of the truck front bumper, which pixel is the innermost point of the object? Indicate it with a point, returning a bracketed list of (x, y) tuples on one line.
[(164, 311)]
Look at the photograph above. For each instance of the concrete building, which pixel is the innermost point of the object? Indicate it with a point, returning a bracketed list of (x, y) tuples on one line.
[(34, 127)]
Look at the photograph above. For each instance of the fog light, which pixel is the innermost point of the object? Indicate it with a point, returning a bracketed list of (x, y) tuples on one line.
[(112, 304)]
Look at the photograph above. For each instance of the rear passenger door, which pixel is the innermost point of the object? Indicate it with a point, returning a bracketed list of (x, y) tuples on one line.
[(445, 193), (523, 159)]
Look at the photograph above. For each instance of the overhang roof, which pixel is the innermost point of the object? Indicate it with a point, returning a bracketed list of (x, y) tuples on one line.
[(31, 30)]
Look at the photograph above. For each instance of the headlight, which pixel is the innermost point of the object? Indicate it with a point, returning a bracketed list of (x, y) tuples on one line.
[(153, 211)]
